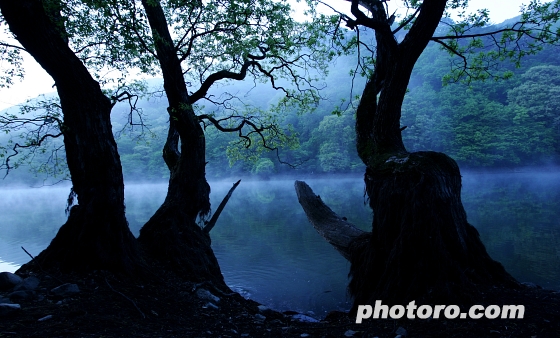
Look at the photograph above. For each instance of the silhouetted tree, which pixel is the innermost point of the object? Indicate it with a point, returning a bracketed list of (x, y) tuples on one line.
[(96, 234), (421, 246)]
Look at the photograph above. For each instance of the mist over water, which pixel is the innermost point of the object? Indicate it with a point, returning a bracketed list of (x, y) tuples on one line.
[(269, 252)]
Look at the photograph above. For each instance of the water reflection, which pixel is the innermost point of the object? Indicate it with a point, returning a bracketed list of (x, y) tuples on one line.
[(268, 251)]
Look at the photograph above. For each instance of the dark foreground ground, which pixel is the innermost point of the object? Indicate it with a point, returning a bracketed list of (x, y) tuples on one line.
[(110, 306)]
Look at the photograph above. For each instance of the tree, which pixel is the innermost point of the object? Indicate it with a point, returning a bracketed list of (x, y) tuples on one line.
[(333, 152), (205, 43), (96, 234), (221, 40), (421, 246), (538, 96), (236, 32)]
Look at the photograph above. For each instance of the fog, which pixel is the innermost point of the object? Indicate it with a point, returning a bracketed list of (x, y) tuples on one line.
[(268, 251)]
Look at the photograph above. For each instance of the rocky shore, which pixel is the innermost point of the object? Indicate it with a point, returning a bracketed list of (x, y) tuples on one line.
[(102, 304)]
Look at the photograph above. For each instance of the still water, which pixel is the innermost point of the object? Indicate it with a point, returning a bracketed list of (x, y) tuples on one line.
[(269, 252)]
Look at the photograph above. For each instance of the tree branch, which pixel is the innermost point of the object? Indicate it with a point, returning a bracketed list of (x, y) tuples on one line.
[(7, 45), (30, 145), (335, 229), (210, 224), (223, 74), (402, 25)]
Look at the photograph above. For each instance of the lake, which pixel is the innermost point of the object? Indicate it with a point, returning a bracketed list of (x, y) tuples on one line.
[(269, 252)]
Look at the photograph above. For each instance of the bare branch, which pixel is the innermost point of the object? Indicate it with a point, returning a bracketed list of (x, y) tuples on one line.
[(7, 45), (245, 138), (223, 74), (32, 144), (210, 224), (409, 20)]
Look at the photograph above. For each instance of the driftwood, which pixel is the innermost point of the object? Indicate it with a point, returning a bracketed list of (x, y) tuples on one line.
[(335, 229), (214, 218)]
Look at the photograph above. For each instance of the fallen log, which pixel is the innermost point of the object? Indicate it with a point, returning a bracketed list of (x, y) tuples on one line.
[(335, 229)]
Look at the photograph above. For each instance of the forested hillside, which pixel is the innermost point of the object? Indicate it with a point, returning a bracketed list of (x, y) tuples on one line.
[(508, 123), (491, 124)]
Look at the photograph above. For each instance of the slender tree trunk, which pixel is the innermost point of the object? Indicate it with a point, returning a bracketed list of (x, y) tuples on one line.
[(96, 234), (421, 246), (172, 234)]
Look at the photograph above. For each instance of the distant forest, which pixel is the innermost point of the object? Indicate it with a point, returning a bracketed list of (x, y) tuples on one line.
[(491, 124)]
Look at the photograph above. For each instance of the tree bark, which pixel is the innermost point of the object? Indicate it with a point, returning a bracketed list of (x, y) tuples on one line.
[(96, 234), (172, 234)]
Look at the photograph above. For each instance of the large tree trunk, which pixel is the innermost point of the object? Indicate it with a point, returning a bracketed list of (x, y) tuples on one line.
[(96, 234), (172, 234), (421, 246)]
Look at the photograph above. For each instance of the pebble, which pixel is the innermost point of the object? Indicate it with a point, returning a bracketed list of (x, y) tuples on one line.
[(210, 305), (303, 318), (531, 285), (6, 309), (44, 318), (65, 290), (8, 280), (401, 332), (260, 317), (20, 295), (30, 283), (207, 295), (349, 333)]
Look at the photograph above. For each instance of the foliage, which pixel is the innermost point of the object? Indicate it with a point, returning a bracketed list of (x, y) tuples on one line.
[(32, 134), (506, 123), (480, 49), (264, 166)]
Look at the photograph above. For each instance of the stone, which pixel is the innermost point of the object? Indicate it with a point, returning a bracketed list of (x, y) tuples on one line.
[(210, 305), (260, 317), (531, 285), (349, 333), (6, 309), (42, 319), (207, 295), (30, 283), (265, 310), (303, 318), (21, 295), (9, 280), (401, 331), (66, 290)]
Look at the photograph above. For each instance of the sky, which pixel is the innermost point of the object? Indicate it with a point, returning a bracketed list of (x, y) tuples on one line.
[(37, 81)]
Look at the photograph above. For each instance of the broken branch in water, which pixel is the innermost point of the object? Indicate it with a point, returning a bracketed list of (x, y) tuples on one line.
[(214, 218)]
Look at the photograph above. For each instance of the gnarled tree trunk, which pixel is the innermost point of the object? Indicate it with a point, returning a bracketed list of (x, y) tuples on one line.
[(172, 234), (96, 234), (421, 246)]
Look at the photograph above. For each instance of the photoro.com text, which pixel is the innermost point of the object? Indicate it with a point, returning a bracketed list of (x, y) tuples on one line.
[(412, 311)]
